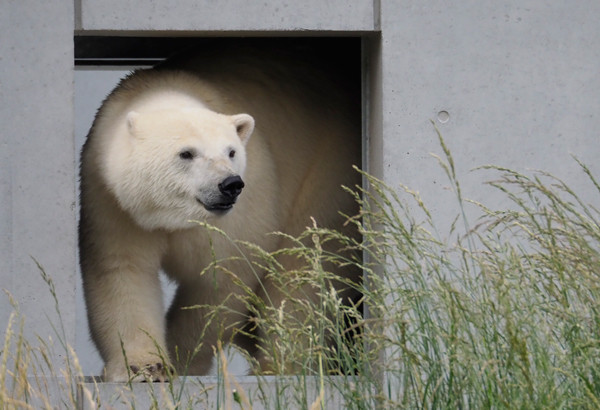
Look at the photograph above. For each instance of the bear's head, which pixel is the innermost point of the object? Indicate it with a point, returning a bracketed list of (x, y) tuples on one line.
[(181, 164)]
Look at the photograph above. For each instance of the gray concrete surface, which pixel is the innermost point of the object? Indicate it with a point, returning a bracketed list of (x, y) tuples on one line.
[(37, 169), (513, 83), (214, 393), (228, 15), (519, 80)]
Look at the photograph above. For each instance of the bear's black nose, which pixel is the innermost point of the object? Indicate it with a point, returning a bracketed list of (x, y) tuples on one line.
[(231, 187)]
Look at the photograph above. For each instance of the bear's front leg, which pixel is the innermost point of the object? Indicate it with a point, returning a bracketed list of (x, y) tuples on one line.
[(125, 310)]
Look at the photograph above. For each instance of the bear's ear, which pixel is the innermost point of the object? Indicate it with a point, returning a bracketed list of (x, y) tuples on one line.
[(244, 125), (132, 121)]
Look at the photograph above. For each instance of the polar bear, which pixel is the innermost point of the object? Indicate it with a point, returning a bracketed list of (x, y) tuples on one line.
[(251, 145)]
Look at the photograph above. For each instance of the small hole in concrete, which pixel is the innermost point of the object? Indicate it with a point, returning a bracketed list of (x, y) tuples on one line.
[(443, 117)]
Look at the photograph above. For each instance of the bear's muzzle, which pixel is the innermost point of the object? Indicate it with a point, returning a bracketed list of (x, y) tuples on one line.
[(230, 188)]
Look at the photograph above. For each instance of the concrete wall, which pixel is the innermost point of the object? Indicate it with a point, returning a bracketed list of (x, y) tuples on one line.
[(216, 17), (519, 80), (37, 168)]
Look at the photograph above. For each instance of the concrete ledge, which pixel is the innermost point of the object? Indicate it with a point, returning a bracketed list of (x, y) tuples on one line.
[(215, 392), (228, 15)]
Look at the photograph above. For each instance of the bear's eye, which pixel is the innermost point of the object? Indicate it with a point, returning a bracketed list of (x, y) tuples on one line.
[(186, 155), (232, 153)]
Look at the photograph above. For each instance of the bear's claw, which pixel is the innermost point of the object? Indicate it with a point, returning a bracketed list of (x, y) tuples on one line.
[(156, 372)]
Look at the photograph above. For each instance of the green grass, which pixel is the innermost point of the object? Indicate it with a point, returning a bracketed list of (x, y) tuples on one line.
[(505, 314)]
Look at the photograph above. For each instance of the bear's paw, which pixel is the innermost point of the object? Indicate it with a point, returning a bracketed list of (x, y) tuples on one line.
[(148, 372)]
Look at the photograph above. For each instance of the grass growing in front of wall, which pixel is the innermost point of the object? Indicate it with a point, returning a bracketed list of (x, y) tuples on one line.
[(504, 314), (507, 315)]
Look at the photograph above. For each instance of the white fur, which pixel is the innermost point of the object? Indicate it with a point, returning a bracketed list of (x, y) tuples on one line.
[(151, 138), (139, 198)]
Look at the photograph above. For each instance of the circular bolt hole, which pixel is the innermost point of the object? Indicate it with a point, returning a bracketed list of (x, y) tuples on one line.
[(443, 117)]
